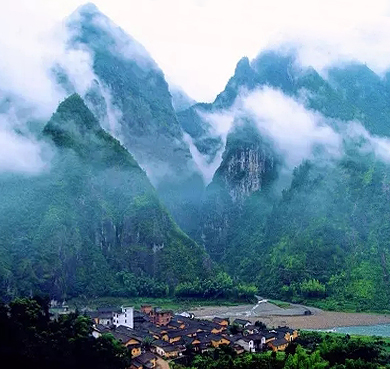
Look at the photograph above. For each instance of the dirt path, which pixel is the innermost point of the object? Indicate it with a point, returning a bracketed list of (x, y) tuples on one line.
[(293, 316), (162, 364)]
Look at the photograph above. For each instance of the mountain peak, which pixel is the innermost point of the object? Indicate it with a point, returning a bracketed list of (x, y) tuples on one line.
[(90, 8), (243, 63)]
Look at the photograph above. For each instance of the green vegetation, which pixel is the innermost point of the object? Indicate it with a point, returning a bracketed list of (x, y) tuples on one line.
[(324, 241), (171, 303), (29, 338), (93, 225), (310, 351)]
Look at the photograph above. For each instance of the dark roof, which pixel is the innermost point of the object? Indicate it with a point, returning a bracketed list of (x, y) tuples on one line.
[(105, 310), (172, 348), (254, 337), (102, 328), (182, 332), (173, 323), (217, 337), (103, 315), (219, 320), (160, 343), (251, 327), (279, 342), (146, 357), (241, 321), (269, 334), (137, 364)]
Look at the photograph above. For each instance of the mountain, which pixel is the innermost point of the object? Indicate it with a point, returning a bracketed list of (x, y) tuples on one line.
[(93, 224), (180, 100), (249, 165), (323, 239), (129, 94)]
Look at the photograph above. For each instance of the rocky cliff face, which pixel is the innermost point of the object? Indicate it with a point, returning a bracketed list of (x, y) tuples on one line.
[(249, 166), (244, 172)]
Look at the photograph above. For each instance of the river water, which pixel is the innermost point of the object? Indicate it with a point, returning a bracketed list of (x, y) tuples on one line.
[(382, 330)]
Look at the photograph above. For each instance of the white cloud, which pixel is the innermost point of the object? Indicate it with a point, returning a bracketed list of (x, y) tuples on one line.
[(205, 167), (198, 43), (19, 154), (295, 130), (380, 146)]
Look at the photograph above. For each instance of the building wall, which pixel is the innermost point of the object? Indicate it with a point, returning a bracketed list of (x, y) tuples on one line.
[(136, 351), (105, 321), (247, 346), (126, 317)]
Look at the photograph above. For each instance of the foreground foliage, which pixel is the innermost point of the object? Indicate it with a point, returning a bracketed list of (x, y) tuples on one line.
[(310, 351), (29, 339)]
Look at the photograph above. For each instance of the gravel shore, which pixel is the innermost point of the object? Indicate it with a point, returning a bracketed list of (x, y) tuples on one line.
[(293, 316)]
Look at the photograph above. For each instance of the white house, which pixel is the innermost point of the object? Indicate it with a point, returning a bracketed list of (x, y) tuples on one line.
[(124, 316), (252, 343)]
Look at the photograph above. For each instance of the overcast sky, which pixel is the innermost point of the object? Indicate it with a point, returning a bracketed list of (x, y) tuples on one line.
[(197, 43)]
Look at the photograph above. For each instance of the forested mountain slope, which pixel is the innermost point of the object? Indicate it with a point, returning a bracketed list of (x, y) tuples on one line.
[(325, 235), (92, 222), (130, 96)]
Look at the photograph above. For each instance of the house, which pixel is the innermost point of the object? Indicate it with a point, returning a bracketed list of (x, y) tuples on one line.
[(269, 336), (161, 317), (124, 316), (221, 321), (176, 335), (99, 329), (165, 349), (252, 343), (193, 341), (135, 349), (251, 329), (279, 344), (144, 361), (217, 340), (113, 316), (241, 323), (146, 309), (237, 348), (176, 325), (139, 317), (102, 316), (288, 333)]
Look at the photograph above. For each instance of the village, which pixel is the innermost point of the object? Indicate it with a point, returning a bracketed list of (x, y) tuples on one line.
[(156, 336)]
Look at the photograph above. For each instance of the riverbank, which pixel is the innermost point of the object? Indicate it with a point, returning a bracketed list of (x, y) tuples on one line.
[(175, 304), (292, 316)]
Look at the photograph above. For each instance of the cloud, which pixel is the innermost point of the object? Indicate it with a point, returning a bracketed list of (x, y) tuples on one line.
[(368, 143), (206, 167), (198, 43), (294, 130), (18, 153)]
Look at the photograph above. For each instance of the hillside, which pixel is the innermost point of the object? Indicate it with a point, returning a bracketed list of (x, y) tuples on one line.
[(92, 223), (324, 236), (128, 92)]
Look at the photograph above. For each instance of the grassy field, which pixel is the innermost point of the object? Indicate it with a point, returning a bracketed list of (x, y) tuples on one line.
[(165, 303)]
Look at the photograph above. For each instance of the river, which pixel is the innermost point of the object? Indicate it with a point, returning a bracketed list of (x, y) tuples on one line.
[(382, 330)]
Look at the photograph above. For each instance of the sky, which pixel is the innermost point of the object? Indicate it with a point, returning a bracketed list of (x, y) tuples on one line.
[(197, 43)]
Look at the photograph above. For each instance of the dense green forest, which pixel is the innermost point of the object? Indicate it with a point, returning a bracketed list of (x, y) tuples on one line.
[(92, 222), (319, 237), (29, 338), (311, 350)]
